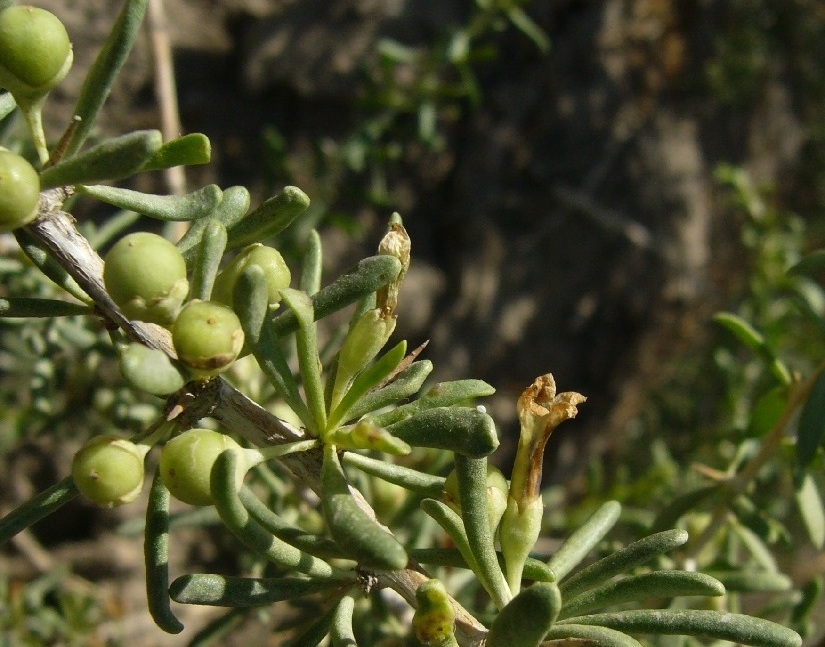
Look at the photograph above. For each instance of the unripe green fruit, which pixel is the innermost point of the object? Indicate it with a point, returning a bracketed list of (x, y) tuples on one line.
[(109, 470), (19, 191), (207, 336), (186, 464), (275, 270), (145, 275), (35, 51)]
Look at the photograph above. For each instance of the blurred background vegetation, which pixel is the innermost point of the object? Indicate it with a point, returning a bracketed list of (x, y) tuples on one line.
[(585, 184)]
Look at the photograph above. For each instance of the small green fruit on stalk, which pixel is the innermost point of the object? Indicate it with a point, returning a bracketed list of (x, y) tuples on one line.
[(540, 411), (109, 470), (35, 51), (19, 191), (35, 55), (276, 273), (207, 337), (145, 275)]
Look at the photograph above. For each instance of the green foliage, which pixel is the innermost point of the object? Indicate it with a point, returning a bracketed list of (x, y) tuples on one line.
[(373, 445)]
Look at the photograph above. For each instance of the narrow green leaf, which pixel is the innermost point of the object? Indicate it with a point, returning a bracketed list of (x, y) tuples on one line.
[(250, 300), (341, 630), (366, 380), (270, 218), (156, 557), (742, 330), (210, 254), (681, 505), (755, 545), (226, 591), (659, 584), (812, 264), (752, 581), (583, 540), (463, 430), (410, 479), (105, 69), (267, 351), (767, 411), (43, 261), (810, 432), (624, 560), (309, 543), (443, 394), (312, 264), (191, 206), (735, 627), (369, 275), (251, 533), (367, 436), (527, 26), (449, 520), (232, 207), (315, 633), (357, 534), (309, 363), (472, 494), (525, 621), (16, 307), (405, 384), (534, 569), (188, 150), (809, 502), (36, 508), (601, 636), (111, 159)]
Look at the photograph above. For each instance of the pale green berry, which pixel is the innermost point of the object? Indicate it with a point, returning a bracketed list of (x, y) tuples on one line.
[(35, 51), (186, 464), (276, 273), (145, 275), (207, 336), (109, 470), (19, 191)]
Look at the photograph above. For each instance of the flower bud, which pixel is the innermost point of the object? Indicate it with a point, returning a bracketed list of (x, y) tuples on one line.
[(207, 336), (186, 464), (109, 470), (276, 273), (145, 275), (19, 191)]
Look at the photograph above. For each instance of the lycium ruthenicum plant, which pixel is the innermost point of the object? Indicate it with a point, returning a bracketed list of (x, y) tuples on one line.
[(179, 324)]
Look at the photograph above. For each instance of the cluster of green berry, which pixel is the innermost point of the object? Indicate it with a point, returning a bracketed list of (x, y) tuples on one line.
[(146, 276)]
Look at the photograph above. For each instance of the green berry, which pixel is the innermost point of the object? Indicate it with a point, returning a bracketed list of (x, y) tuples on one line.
[(145, 275), (186, 464), (275, 270), (109, 470), (207, 336), (35, 51), (19, 191)]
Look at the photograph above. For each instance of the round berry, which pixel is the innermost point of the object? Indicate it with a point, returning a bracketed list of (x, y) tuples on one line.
[(19, 191), (34, 48), (145, 275), (207, 337), (186, 464), (275, 270), (109, 470)]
